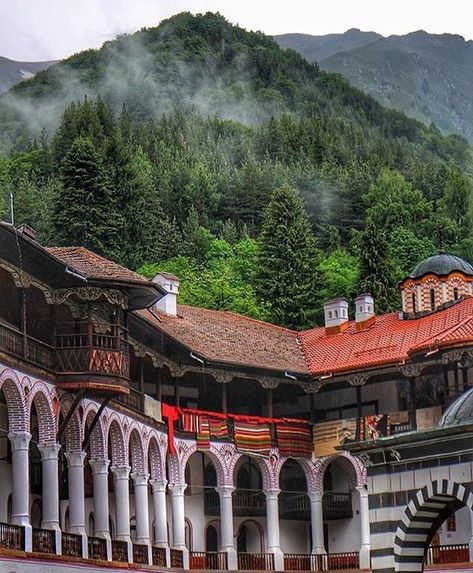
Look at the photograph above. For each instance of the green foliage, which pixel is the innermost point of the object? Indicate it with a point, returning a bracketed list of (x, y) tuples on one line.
[(176, 164), (377, 271), (85, 213), (287, 276)]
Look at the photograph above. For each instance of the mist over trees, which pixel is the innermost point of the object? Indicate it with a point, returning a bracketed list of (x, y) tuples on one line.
[(324, 195)]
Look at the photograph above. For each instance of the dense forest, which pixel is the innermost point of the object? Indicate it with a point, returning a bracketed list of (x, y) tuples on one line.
[(267, 185)]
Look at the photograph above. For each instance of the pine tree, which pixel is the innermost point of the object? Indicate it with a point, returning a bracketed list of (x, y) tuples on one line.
[(85, 214), (377, 272), (288, 260)]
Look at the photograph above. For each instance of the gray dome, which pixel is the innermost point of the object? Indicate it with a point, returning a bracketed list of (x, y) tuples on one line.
[(460, 412), (441, 265)]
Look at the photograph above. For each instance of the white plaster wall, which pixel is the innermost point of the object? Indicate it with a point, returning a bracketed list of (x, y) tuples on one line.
[(463, 531), (345, 534)]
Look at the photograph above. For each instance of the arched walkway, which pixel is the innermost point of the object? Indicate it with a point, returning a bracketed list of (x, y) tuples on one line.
[(426, 511)]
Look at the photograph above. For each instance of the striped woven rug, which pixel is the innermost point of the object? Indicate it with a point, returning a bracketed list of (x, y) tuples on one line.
[(252, 438)]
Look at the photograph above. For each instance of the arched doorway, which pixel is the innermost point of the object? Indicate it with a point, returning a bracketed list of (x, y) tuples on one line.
[(432, 507), (250, 537), (211, 538), (294, 508), (342, 526)]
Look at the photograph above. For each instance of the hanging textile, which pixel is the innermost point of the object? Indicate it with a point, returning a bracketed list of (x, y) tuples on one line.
[(218, 428), (171, 413), (189, 421), (203, 433), (295, 441), (252, 438)]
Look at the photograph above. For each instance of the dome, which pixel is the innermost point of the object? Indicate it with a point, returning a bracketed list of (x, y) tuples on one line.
[(460, 412), (441, 265)]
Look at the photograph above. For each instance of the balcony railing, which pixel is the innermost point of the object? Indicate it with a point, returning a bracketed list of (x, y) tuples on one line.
[(249, 502), (256, 561), (71, 545), (14, 342), (208, 560), (44, 540), (159, 556), (177, 558), (294, 505), (98, 354), (140, 554), (97, 548), (439, 554), (337, 505), (329, 562), (133, 400), (12, 536), (119, 551)]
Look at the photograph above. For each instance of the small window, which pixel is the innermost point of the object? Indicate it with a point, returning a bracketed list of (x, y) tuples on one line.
[(330, 314), (369, 308), (451, 523), (455, 294), (414, 306), (170, 287), (360, 308), (432, 299), (336, 314)]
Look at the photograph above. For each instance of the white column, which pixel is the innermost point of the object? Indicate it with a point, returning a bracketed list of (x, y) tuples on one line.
[(470, 545), (50, 471), (75, 474), (178, 519), (226, 524), (272, 522), (101, 505), (20, 442), (122, 506), (160, 515), (365, 556), (317, 522), (140, 482)]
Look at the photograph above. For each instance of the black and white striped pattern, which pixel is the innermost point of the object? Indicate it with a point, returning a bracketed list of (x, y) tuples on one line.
[(424, 514)]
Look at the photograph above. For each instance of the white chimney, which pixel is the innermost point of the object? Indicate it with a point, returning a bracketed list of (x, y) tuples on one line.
[(170, 283), (364, 308), (336, 315)]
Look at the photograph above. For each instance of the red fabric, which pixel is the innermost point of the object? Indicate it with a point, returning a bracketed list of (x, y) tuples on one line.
[(172, 414), (245, 418)]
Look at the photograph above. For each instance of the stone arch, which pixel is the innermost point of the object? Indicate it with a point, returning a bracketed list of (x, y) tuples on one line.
[(116, 439), (97, 444), (46, 411), (156, 459), (256, 525), (424, 514), (73, 433), (221, 457), (18, 420), (355, 470), (295, 462), (136, 451)]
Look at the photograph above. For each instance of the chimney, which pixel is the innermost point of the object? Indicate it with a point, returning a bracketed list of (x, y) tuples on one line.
[(336, 316), (170, 283), (364, 311), (28, 231)]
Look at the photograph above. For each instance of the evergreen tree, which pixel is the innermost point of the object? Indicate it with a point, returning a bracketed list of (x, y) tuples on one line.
[(288, 260), (377, 272), (85, 214)]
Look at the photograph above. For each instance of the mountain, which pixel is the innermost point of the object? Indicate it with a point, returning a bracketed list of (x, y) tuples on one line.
[(317, 48), (12, 72), (426, 76)]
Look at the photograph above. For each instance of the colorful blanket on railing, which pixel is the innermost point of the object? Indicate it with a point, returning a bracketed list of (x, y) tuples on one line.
[(252, 438), (218, 428), (295, 441)]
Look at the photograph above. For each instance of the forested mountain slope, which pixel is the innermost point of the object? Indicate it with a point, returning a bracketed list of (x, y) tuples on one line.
[(208, 151), (427, 76)]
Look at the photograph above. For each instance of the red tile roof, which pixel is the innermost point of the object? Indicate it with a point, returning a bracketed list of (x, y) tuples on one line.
[(224, 336), (94, 266), (388, 341)]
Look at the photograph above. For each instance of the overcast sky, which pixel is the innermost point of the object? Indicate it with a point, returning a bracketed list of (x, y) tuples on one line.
[(52, 29)]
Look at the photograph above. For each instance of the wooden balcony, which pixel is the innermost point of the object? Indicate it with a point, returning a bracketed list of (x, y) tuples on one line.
[(96, 361), (256, 561), (99, 362), (245, 503), (329, 562), (443, 554)]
